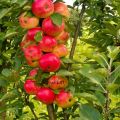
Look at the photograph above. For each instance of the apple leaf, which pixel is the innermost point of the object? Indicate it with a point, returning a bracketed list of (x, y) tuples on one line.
[(56, 19), (6, 72), (64, 72), (88, 112), (38, 36)]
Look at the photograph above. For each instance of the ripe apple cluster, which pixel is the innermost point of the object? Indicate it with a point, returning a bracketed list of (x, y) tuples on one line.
[(43, 46)]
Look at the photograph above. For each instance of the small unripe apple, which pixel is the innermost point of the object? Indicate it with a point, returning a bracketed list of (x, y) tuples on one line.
[(64, 99), (49, 62), (30, 87), (47, 44), (45, 95), (61, 8), (60, 50), (50, 28), (57, 82), (28, 22), (42, 8), (33, 72)]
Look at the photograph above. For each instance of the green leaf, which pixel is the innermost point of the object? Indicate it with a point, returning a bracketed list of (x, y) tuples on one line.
[(86, 96), (113, 52), (3, 81), (90, 73), (10, 33), (10, 95), (112, 87), (3, 12), (100, 98), (101, 59), (64, 72), (56, 19), (6, 72), (115, 110), (115, 74), (67, 60), (88, 112), (38, 36)]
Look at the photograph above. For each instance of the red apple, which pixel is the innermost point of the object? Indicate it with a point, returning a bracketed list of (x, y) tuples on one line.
[(28, 22), (49, 62), (50, 28), (30, 87), (33, 53), (42, 8), (32, 32), (33, 72), (60, 50), (62, 37), (64, 99), (47, 44), (45, 95), (61, 8), (57, 82)]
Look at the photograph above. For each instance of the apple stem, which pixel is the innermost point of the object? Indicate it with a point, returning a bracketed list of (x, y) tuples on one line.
[(51, 112)]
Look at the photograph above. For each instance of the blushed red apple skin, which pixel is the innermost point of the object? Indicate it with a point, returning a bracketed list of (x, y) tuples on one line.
[(32, 53), (30, 87), (33, 72), (33, 63), (42, 8), (62, 37), (49, 63), (64, 99), (61, 8), (32, 32), (60, 50), (28, 22), (50, 28), (57, 82), (45, 95), (47, 44)]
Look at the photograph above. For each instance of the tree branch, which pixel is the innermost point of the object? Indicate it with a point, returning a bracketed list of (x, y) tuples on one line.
[(51, 112), (78, 27), (32, 110)]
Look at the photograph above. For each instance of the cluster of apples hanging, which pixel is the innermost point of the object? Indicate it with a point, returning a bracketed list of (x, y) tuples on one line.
[(43, 46)]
